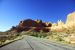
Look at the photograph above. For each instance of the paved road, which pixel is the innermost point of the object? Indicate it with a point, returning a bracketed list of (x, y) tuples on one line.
[(33, 43)]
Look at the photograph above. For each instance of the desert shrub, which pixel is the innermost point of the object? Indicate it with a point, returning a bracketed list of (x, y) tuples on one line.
[(59, 39), (39, 34), (3, 39)]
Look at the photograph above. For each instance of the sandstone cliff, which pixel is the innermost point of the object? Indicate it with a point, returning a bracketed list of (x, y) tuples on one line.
[(28, 24)]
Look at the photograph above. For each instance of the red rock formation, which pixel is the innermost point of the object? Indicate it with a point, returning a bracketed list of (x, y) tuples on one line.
[(28, 24)]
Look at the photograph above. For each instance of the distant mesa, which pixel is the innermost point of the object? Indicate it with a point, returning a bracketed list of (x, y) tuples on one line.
[(36, 25)]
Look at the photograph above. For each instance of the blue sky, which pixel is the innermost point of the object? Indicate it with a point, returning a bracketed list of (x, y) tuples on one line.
[(13, 11)]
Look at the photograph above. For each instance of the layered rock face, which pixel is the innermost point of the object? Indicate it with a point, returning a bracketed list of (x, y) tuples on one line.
[(70, 22), (70, 18), (28, 24)]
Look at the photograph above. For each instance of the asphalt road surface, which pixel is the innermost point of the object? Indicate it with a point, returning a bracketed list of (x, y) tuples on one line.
[(33, 43)]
